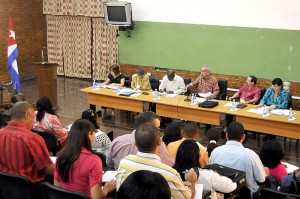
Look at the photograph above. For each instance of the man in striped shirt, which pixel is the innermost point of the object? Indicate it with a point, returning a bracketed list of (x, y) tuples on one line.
[(24, 152), (147, 140)]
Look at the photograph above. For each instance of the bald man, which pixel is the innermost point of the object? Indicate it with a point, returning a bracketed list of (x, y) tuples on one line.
[(206, 83), (171, 83), (24, 152)]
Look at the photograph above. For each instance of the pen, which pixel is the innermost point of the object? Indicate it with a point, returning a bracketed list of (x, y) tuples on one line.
[(186, 171)]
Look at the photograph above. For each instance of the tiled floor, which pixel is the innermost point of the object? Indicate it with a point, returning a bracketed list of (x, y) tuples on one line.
[(71, 102)]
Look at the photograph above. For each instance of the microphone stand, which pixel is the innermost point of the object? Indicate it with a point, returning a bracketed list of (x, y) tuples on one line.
[(187, 93)]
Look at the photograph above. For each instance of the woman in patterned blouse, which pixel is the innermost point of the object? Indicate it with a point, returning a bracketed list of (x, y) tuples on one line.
[(47, 121), (102, 141), (275, 97)]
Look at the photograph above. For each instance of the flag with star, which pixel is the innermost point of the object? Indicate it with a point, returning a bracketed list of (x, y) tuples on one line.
[(12, 54)]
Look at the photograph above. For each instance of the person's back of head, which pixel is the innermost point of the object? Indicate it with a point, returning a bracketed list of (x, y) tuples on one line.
[(190, 130), (146, 116), (144, 184), (23, 113), (213, 137), (91, 116), (271, 153), (147, 138), (187, 156), (172, 133), (43, 105), (235, 131), (79, 137)]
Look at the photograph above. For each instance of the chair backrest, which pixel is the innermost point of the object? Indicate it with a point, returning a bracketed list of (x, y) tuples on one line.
[(110, 135), (15, 187), (154, 82), (223, 89), (127, 80), (50, 140), (186, 81), (53, 192), (267, 193)]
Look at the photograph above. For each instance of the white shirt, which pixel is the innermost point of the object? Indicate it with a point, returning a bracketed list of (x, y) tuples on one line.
[(213, 182), (173, 85), (234, 155)]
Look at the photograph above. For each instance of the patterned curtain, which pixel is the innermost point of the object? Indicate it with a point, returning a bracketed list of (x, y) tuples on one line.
[(69, 45), (105, 48), (89, 8)]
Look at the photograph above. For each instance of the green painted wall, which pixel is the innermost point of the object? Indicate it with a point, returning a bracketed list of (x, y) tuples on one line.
[(265, 53)]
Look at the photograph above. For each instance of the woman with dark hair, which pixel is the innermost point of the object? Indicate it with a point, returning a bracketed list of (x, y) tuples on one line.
[(77, 168), (188, 157), (271, 155), (140, 80), (172, 133), (115, 76), (47, 121), (102, 141), (275, 97), (213, 137), (144, 184)]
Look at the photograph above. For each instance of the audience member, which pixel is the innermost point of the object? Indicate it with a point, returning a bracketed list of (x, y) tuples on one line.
[(148, 141), (140, 80), (234, 155), (190, 132), (115, 76), (24, 152), (77, 168), (47, 121), (171, 83), (206, 83), (125, 144), (188, 157), (275, 97), (249, 93), (144, 184), (271, 155), (213, 137), (102, 141), (172, 133)]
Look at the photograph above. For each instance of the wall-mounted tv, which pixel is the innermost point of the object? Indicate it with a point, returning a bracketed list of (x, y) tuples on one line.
[(118, 13)]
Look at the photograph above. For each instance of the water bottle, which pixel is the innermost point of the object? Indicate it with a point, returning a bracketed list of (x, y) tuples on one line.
[(291, 115), (265, 110), (155, 94), (118, 89), (233, 107), (193, 99), (94, 85)]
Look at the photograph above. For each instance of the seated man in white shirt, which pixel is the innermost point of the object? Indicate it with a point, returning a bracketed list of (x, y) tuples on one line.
[(171, 83)]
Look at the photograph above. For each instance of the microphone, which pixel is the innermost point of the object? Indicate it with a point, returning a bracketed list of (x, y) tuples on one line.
[(187, 92)]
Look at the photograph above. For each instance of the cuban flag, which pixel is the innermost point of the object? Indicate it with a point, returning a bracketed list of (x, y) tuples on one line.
[(12, 54)]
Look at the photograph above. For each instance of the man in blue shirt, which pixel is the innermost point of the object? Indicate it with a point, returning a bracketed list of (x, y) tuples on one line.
[(234, 155)]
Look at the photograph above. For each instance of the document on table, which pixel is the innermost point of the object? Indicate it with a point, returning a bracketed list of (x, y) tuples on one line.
[(229, 104), (289, 167), (53, 159), (199, 190), (257, 111), (109, 175), (200, 99), (204, 95)]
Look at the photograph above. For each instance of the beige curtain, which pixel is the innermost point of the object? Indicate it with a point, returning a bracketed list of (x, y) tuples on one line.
[(89, 8), (78, 38), (105, 48), (69, 45)]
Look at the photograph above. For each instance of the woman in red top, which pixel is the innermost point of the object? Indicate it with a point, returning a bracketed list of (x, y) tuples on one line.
[(77, 168)]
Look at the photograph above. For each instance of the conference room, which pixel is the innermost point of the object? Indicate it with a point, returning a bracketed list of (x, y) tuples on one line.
[(63, 48)]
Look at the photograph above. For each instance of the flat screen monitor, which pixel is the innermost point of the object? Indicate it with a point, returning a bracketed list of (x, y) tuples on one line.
[(118, 13)]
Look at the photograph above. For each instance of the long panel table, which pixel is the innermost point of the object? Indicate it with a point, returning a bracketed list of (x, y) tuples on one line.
[(273, 124), (176, 107)]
